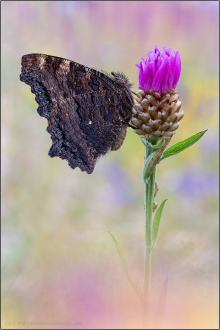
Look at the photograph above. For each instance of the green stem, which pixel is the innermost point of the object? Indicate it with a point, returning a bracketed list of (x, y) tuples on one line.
[(149, 199)]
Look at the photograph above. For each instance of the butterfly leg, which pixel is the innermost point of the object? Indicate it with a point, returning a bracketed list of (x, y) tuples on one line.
[(126, 119)]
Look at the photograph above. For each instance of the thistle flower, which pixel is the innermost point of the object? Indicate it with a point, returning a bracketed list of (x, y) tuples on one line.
[(156, 116), (157, 113)]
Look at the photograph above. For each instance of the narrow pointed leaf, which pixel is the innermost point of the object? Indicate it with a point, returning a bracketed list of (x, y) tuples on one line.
[(148, 167), (134, 283), (144, 141), (161, 305), (157, 221), (182, 145), (159, 144)]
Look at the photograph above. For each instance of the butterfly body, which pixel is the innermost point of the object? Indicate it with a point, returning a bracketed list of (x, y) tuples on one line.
[(87, 111)]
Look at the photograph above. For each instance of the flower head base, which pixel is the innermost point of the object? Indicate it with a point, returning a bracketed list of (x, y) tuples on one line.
[(155, 116), (160, 71)]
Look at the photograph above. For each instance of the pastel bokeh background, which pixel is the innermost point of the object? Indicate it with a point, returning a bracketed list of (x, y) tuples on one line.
[(60, 268)]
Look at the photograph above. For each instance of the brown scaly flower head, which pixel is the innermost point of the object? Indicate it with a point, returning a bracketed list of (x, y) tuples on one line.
[(157, 110)]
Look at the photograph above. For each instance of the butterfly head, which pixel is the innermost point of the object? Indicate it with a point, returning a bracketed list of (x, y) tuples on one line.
[(121, 80)]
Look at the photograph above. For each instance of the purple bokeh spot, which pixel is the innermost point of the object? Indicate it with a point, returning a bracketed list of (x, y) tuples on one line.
[(195, 182), (117, 193)]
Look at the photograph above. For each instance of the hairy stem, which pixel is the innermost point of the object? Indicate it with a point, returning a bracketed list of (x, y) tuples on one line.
[(149, 199)]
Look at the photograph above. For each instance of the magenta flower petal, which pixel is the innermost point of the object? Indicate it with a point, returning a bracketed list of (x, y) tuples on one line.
[(160, 71)]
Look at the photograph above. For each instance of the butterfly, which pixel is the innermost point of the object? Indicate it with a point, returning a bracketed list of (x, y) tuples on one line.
[(88, 111)]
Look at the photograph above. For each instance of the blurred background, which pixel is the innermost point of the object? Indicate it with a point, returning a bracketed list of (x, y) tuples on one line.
[(60, 268)]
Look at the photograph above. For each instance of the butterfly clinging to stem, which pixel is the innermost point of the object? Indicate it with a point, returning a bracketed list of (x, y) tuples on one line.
[(88, 111)]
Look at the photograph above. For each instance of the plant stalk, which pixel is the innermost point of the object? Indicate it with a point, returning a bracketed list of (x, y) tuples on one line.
[(149, 200)]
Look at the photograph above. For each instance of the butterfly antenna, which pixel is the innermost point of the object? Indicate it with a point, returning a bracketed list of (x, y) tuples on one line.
[(134, 93)]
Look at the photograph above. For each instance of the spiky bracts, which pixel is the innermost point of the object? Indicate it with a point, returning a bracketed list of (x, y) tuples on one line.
[(156, 116)]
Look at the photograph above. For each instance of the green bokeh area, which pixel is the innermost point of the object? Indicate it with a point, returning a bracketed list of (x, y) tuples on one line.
[(60, 268)]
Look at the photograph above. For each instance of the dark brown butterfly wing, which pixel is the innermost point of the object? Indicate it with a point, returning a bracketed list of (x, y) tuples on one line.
[(87, 111)]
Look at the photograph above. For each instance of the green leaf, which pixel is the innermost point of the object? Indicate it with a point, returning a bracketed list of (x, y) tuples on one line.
[(148, 167), (157, 221), (158, 144), (161, 305), (144, 141), (182, 145), (134, 283)]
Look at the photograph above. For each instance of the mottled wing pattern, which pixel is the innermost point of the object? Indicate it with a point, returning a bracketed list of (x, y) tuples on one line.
[(87, 111)]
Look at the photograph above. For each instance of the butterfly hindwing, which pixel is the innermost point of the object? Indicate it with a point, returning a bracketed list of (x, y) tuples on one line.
[(87, 111)]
